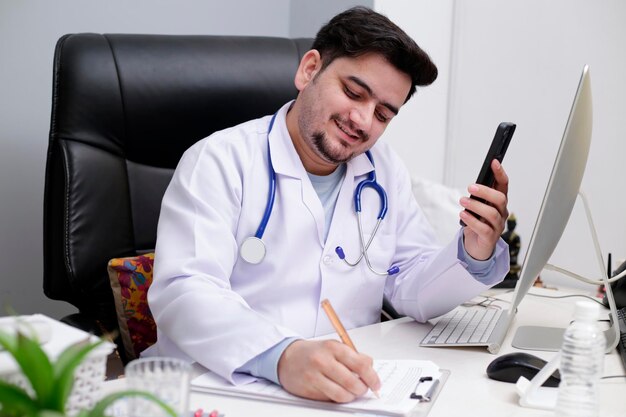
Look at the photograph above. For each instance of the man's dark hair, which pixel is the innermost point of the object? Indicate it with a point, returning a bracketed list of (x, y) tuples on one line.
[(359, 31)]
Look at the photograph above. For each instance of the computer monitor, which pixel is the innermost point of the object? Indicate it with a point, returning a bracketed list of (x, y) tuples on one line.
[(556, 208)]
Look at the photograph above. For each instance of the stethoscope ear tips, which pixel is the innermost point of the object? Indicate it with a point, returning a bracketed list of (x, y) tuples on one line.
[(252, 250), (339, 252)]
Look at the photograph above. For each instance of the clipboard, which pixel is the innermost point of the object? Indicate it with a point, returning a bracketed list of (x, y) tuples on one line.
[(400, 379), (423, 407)]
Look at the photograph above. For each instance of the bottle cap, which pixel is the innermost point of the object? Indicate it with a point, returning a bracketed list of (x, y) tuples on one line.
[(586, 310)]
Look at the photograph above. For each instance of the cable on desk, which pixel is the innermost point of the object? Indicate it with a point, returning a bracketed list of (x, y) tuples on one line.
[(613, 376), (595, 300), (564, 271)]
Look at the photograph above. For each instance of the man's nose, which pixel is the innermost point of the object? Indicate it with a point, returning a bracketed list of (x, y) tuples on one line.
[(362, 116)]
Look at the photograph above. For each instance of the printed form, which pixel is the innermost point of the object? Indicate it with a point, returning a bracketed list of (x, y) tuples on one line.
[(405, 384)]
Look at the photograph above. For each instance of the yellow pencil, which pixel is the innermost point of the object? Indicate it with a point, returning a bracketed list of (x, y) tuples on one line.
[(341, 331)]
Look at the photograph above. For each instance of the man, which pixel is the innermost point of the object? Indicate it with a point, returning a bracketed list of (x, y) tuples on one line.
[(240, 319)]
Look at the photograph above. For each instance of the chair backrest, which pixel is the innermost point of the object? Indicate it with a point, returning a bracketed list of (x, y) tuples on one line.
[(124, 109)]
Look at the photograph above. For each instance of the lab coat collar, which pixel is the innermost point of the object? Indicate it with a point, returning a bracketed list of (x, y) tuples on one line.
[(286, 160)]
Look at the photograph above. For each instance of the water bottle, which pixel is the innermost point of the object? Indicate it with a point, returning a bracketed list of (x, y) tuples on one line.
[(582, 362)]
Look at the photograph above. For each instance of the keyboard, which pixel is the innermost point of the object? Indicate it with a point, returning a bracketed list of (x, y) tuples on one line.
[(464, 326), (621, 346)]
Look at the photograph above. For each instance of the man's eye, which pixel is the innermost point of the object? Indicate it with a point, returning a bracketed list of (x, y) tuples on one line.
[(382, 117), (351, 93)]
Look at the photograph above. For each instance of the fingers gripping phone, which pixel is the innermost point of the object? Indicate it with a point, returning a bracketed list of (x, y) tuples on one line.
[(498, 148)]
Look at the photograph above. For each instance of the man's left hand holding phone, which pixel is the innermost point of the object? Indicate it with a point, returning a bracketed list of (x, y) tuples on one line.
[(488, 203)]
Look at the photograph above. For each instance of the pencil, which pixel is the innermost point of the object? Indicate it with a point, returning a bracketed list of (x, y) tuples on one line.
[(341, 331), (334, 320)]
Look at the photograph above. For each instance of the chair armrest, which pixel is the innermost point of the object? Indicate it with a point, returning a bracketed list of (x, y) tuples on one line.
[(388, 312), (84, 322)]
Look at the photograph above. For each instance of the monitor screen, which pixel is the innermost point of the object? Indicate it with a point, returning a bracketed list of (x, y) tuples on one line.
[(557, 205)]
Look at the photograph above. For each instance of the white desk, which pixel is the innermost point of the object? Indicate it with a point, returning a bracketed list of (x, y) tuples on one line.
[(468, 391)]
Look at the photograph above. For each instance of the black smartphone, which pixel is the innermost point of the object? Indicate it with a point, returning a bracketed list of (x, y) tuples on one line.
[(499, 145)]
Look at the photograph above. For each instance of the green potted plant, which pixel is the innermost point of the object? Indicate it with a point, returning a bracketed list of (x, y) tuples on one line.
[(51, 382)]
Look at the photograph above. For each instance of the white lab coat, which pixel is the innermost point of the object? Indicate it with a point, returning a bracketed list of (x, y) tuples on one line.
[(212, 307)]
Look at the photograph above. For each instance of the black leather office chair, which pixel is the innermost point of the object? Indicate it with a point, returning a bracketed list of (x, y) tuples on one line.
[(124, 109)]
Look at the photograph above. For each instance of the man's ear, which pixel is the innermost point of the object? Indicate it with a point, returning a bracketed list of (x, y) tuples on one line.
[(310, 65)]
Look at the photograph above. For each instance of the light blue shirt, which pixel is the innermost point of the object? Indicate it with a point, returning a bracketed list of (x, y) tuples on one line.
[(327, 188)]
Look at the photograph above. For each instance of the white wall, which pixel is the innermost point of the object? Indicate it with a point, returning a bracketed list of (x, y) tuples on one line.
[(307, 17), (418, 132), (520, 61), (29, 30)]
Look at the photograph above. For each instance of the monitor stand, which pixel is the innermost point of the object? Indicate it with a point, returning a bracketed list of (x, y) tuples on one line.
[(548, 339), (538, 338), (551, 338)]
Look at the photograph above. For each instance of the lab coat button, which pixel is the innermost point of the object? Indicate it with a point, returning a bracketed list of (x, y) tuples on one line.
[(328, 260)]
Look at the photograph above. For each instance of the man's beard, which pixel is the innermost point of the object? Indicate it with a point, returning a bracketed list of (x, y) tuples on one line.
[(323, 148)]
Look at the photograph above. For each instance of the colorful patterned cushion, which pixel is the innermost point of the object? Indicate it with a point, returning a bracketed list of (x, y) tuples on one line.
[(130, 279)]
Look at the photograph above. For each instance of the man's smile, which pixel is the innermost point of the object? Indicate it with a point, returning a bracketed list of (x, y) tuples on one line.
[(353, 137)]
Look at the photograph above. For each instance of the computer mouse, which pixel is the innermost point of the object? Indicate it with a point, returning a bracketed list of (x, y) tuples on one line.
[(509, 367)]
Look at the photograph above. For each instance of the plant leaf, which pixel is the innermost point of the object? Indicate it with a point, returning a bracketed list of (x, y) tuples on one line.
[(64, 369), (14, 401), (100, 407), (8, 342), (36, 368)]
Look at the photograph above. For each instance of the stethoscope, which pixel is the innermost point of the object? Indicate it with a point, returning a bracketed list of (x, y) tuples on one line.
[(253, 249)]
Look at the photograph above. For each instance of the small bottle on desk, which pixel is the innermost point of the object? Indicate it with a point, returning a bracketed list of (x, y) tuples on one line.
[(582, 362)]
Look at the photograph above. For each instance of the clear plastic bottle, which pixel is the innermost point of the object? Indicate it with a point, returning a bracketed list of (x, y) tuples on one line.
[(582, 363)]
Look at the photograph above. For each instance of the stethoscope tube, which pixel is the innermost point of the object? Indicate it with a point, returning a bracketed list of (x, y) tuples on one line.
[(370, 182), (253, 249), (271, 193)]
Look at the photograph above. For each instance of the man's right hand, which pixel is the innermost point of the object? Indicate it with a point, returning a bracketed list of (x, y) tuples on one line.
[(326, 370)]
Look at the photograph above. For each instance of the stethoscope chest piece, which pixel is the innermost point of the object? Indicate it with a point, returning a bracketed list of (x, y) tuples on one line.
[(252, 250)]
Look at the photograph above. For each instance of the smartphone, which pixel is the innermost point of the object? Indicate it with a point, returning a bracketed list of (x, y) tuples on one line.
[(499, 145)]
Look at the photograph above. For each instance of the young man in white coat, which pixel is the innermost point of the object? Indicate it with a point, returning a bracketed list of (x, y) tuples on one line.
[(242, 319)]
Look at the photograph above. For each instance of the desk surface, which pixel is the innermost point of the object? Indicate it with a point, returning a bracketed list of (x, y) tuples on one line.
[(468, 391)]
